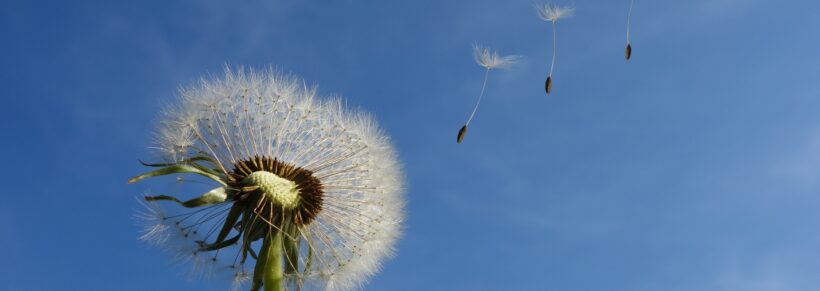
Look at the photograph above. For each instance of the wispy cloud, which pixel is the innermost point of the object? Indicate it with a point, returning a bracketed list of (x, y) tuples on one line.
[(779, 270), (801, 164)]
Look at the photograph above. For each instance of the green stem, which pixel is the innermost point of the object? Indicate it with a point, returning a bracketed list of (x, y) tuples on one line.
[(291, 246), (259, 269), (272, 277)]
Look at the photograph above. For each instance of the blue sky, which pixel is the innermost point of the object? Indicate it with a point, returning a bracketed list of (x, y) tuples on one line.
[(695, 166)]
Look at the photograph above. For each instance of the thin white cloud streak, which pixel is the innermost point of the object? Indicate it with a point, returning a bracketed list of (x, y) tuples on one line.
[(778, 270), (800, 165)]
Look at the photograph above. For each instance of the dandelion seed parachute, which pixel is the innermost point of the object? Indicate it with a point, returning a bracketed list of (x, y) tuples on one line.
[(307, 194), (489, 60), (552, 13)]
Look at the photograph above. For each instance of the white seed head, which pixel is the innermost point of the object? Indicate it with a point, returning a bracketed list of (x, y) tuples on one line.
[(246, 114), (550, 12), (490, 59)]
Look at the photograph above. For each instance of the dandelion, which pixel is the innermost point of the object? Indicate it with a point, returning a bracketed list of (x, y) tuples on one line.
[(628, 50), (489, 60), (552, 13), (305, 194)]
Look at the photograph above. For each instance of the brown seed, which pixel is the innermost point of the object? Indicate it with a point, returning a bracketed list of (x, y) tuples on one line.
[(628, 52), (548, 85), (461, 134)]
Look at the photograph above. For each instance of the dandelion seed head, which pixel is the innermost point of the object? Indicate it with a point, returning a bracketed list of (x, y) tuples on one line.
[(264, 134), (551, 12), (490, 59)]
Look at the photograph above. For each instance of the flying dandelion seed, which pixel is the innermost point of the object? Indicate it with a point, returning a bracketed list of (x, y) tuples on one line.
[(552, 13), (307, 194), (628, 50), (489, 60)]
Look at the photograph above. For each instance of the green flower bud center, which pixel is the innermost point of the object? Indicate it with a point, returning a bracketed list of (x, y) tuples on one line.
[(282, 191)]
